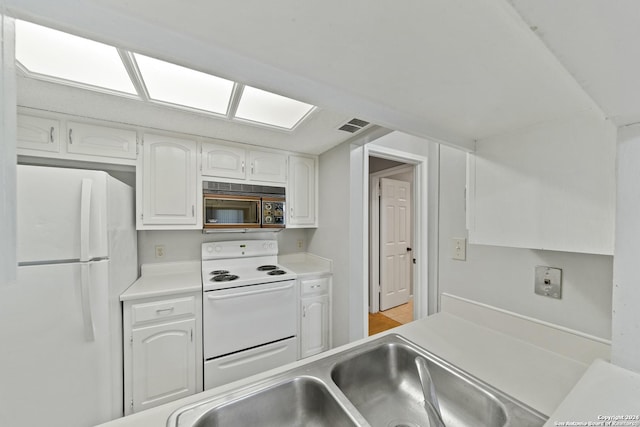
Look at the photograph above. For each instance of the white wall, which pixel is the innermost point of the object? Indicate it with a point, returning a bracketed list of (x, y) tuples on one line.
[(503, 277), (331, 238), (184, 245), (625, 349)]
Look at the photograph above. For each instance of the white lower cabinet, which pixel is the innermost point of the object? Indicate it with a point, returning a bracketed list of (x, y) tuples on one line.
[(315, 315), (161, 351)]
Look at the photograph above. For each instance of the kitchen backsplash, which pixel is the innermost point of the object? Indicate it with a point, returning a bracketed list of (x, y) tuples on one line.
[(185, 245)]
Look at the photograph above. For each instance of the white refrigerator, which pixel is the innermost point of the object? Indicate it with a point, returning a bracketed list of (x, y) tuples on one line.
[(61, 322)]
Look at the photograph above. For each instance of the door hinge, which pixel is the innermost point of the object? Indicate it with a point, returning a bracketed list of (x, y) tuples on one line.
[(191, 335)]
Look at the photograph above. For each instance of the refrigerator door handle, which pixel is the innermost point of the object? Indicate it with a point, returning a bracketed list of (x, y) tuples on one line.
[(85, 219), (85, 294)]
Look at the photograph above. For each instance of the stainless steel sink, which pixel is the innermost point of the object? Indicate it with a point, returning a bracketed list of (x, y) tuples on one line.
[(300, 401), (378, 383), (383, 383)]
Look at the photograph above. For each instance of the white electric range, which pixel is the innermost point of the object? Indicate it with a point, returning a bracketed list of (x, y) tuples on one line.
[(249, 310)]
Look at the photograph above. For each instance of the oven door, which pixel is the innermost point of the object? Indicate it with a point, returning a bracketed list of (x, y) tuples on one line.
[(222, 211), (240, 318)]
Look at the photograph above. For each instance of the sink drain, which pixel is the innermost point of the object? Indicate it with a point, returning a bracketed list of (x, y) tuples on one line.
[(402, 423)]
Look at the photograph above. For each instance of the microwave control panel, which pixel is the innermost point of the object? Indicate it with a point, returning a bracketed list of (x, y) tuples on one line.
[(273, 213)]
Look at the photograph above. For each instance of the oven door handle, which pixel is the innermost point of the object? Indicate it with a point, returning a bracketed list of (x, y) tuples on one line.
[(244, 294)]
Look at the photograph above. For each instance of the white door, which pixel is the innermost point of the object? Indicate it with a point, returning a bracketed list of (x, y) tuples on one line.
[(225, 161), (84, 138), (395, 247), (164, 363), (314, 328), (267, 166), (301, 195), (169, 181), (52, 371), (62, 214), (38, 133)]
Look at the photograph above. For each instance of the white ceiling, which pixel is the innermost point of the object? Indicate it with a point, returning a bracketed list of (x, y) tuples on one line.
[(599, 43), (455, 70)]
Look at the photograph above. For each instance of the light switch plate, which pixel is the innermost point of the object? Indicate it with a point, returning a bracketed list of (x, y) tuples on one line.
[(459, 249), (548, 281)]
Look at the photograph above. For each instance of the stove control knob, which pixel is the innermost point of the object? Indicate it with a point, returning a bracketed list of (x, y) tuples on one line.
[(271, 245), (209, 248), (218, 248), (265, 245)]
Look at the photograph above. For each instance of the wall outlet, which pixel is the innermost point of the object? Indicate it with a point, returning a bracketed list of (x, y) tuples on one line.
[(300, 243), (548, 282), (459, 249), (159, 251)]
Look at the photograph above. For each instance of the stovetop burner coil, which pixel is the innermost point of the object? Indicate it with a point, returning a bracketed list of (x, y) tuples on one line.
[(276, 272), (219, 272), (224, 277), (267, 268)]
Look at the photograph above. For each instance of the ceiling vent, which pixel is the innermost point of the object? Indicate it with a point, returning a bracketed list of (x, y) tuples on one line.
[(353, 125)]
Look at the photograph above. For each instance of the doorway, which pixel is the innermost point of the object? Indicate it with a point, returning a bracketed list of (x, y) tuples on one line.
[(392, 234)]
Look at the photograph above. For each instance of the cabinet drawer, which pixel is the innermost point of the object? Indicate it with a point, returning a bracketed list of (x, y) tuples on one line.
[(314, 286), (160, 310)]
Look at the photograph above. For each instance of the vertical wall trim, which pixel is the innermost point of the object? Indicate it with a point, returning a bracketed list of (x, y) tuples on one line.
[(625, 333), (8, 215)]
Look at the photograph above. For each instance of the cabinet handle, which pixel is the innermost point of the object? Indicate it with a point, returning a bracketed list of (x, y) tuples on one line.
[(70, 138), (164, 310), (291, 210), (304, 311), (51, 134), (242, 167), (251, 168), (315, 286), (193, 210)]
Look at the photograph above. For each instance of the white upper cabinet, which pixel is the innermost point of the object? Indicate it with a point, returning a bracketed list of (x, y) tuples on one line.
[(225, 160), (95, 140), (302, 192), (267, 166), (167, 175), (58, 136), (551, 186), (38, 133)]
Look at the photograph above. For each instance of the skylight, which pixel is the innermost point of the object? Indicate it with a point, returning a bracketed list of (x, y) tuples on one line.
[(265, 107), (52, 55), (183, 86)]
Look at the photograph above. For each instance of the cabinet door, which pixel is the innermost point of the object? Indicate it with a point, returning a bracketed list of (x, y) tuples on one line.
[(169, 188), (224, 161), (267, 166), (37, 133), (301, 196), (164, 363), (314, 330), (94, 140)]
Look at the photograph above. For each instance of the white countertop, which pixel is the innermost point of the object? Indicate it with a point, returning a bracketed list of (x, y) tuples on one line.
[(304, 264), (164, 279), (534, 375), (606, 393)]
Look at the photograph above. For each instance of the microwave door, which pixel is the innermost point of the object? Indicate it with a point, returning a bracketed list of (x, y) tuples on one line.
[(221, 211)]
